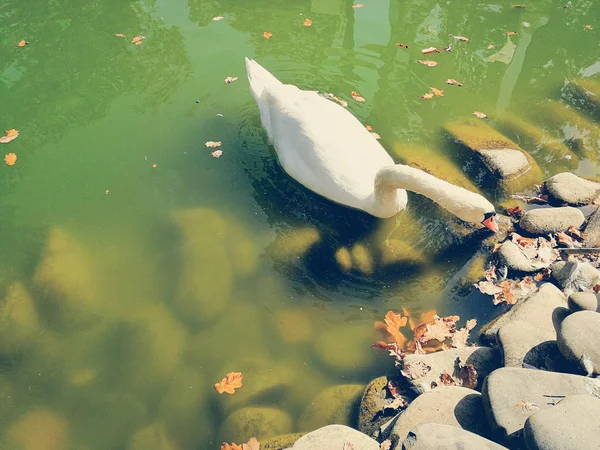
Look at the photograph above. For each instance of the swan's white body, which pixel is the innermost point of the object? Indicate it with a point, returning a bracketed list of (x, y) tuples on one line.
[(325, 148)]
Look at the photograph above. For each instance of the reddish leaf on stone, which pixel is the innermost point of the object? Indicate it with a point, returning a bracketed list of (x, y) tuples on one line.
[(447, 379), (515, 211), (468, 376)]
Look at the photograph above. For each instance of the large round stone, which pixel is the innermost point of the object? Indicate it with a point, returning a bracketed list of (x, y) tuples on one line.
[(373, 400), (436, 436), (551, 220), (255, 422), (584, 301), (569, 188), (579, 340), (337, 404)]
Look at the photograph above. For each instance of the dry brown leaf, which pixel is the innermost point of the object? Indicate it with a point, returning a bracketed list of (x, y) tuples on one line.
[(427, 62), (575, 233), (356, 96), (10, 159), (393, 388), (468, 376), (369, 127), (417, 369), (22, 43), (447, 379), (452, 81), (461, 38), (491, 46), (230, 80), (515, 211), (213, 144), (437, 92), (396, 404), (480, 114), (441, 329), (217, 18), (488, 287), (588, 27), (427, 51), (267, 35), (252, 444), (138, 40), (231, 382), (9, 135), (511, 33), (121, 35), (543, 275), (427, 96), (358, 5), (596, 288), (459, 338), (393, 323), (307, 23), (398, 44), (217, 153)]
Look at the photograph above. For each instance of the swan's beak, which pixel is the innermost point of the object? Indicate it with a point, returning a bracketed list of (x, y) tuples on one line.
[(491, 223)]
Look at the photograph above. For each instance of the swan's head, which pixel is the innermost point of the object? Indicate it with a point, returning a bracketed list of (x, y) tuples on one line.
[(489, 221)]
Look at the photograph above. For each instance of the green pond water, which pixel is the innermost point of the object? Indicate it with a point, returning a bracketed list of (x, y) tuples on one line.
[(129, 290)]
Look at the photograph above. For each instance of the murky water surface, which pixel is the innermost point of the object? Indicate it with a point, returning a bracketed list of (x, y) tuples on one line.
[(130, 289)]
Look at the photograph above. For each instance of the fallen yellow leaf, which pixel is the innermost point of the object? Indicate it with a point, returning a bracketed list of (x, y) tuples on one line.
[(358, 5), (511, 33), (307, 23), (427, 51), (427, 62), (120, 35), (588, 27), (356, 96), (9, 135), (22, 43), (267, 34), (231, 382), (137, 40), (427, 96), (218, 18), (480, 114), (10, 159), (437, 92)]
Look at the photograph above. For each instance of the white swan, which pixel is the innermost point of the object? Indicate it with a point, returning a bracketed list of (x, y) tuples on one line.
[(325, 148)]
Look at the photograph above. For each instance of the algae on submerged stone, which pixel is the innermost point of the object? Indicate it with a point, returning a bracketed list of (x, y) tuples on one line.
[(337, 404), (19, 322), (250, 422)]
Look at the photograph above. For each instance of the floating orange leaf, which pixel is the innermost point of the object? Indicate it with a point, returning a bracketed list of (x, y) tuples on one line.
[(480, 114), (491, 46), (217, 18), (230, 80), (588, 27), (427, 51), (217, 153), (267, 34), (356, 96), (154, 166), (437, 92), (138, 40), (427, 62), (10, 159), (453, 82), (9, 135), (393, 323), (358, 5), (511, 33), (369, 127), (461, 38), (231, 382), (22, 43), (121, 35), (307, 23), (398, 44), (213, 144), (427, 96)]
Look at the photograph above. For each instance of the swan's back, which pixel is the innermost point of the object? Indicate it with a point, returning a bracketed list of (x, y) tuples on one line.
[(319, 143)]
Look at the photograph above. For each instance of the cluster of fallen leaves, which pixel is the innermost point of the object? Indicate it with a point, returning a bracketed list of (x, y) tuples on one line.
[(137, 40), (432, 334), (229, 383), (9, 135), (213, 144), (463, 375), (252, 444)]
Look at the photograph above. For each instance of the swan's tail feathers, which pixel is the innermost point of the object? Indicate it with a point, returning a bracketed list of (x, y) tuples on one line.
[(259, 78)]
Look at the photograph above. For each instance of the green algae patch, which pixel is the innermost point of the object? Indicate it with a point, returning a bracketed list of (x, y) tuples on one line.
[(334, 405), (280, 442), (250, 422), (372, 402), (434, 163), (40, 429)]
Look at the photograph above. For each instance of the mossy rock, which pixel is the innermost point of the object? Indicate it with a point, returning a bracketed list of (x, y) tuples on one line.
[(588, 90), (293, 244), (344, 259), (396, 251), (474, 270), (294, 325), (280, 442), (346, 348), (206, 278), (19, 322), (152, 437), (362, 259), (371, 416), (437, 164), (260, 423), (334, 405), (66, 277), (39, 429)]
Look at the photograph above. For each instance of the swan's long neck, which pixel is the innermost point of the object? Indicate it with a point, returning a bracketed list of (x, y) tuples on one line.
[(461, 202)]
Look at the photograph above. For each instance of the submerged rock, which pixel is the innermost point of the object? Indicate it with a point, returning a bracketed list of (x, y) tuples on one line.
[(588, 91), (511, 395), (346, 348), (337, 404), (344, 259), (206, 277), (584, 301), (435, 436), (484, 360), (40, 429), (294, 325), (551, 220), (280, 442), (570, 425), (513, 257), (591, 236), (293, 244), (255, 422), (242, 251), (362, 258), (569, 188), (579, 340), (19, 322), (152, 437), (335, 437), (450, 405), (373, 400), (576, 276)]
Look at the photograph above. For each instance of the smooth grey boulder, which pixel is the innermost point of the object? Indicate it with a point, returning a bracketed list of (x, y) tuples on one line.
[(573, 424), (579, 340), (334, 437), (591, 235), (513, 257), (484, 360), (551, 220), (536, 310), (584, 301), (569, 188), (511, 395), (524, 344), (505, 162), (436, 436), (574, 276), (450, 405)]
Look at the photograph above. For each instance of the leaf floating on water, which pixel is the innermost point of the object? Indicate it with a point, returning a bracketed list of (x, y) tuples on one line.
[(267, 35), (217, 153), (491, 46), (511, 33), (330, 96), (138, 40), (588, 27), (230, 80), (154, 166), (375, 135), (427, 51), (356, 96), (461, 38), (459, 338), (428, 62), (369, 127), (519, 6), (398, 44), (121, 35), (480, 114), (212, 144), (22, 43), (437, 92), (427, 96), (217, 18), (453, 82), (358, 5), (231, 382), (307, 23), (9, 135), (392, 324), (10, 159)]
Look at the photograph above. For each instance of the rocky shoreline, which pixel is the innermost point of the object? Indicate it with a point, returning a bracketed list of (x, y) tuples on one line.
[(534, 368)]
